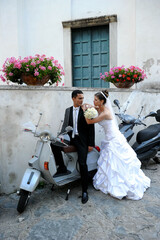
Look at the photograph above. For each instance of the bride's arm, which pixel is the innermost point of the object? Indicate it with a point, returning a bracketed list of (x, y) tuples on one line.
[(104, 115), (95, 120), (101, 117)]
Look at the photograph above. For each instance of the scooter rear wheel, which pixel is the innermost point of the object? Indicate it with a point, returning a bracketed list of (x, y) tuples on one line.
[(23, 200)]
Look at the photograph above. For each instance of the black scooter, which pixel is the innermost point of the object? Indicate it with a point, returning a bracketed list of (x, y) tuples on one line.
[(147, 142)]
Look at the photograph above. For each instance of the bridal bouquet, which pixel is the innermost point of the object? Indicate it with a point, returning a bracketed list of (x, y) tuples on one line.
[(91, 113)]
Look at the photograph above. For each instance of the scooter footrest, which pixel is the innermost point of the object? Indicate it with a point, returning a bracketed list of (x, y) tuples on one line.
[(67, 180)]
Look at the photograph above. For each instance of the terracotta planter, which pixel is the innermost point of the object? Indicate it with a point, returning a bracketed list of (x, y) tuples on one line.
[(124, 84), (31, 80)]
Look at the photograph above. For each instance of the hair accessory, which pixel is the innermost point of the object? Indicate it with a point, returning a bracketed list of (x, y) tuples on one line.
[(104, 95)]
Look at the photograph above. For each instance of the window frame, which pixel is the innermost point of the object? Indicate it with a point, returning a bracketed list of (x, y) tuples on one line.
[(67, 40)]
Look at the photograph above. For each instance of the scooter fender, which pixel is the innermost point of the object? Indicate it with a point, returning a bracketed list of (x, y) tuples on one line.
[(30, 179)]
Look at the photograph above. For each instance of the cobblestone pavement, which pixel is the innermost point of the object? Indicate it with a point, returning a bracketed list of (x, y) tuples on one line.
[(49, 216)]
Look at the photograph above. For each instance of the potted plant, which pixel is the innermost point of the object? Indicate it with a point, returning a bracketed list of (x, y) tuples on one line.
[(123, 77), (35, 70)]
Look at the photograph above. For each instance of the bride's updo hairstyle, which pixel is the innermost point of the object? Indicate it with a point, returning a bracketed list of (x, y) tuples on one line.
[(102, 95)]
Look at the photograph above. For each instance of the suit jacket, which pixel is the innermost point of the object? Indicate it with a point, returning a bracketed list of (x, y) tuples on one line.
[(86, 131)]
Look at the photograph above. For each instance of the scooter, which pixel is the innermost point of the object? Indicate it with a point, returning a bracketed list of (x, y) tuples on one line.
[(147, 143), (42, 164), (128, 121)]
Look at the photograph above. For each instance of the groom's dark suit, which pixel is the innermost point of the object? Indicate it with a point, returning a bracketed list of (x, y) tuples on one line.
[(81, 141)]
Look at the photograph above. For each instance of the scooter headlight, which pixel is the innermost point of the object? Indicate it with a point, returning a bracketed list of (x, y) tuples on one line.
[(45, 136)]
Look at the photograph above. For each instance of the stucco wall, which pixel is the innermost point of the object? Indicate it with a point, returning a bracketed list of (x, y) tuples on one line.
[(22, 104)]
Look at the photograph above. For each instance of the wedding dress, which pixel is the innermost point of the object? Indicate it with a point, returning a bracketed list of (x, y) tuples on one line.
[(119, 172)]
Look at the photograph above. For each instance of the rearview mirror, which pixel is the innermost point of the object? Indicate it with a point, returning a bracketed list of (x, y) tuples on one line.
[(68, 128), (151, 114), (116, 102)]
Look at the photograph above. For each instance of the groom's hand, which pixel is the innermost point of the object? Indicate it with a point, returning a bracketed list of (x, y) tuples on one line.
[(90, 148)]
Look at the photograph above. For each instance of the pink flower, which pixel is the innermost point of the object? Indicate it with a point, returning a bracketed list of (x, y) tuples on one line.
[(27, 69), (17, 65), (33, 64), (10, 74), (2, 78), (49, 68), (41, 59), (59, 66), (42, 68), (111, 72), (36, 73), (55, 62)]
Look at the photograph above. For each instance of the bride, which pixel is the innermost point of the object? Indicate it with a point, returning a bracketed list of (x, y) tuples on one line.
[(118, 172)]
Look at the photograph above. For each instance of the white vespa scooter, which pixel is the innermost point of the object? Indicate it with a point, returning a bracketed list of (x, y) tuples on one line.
[(43, 164)]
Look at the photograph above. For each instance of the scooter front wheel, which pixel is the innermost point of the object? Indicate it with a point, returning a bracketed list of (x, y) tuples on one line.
[(23, 200)]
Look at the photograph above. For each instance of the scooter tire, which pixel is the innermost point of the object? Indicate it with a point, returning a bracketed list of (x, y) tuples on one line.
[(23, 200)]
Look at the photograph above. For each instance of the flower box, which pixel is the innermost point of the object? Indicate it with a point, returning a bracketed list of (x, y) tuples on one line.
[(36, 70), (124, 77)]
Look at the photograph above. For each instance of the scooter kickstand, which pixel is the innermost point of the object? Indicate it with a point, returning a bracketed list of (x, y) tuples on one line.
[(68, 191)]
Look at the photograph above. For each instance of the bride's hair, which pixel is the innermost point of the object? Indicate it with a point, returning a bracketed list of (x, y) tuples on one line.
[(103, 95)]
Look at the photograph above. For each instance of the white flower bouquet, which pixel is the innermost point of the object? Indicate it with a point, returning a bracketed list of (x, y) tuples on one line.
[(91, 113)]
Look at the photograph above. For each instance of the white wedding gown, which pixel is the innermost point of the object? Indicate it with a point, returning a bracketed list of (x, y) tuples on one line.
[(119, 172)]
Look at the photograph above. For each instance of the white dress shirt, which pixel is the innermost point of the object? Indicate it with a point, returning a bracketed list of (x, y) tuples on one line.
[(75, 119)]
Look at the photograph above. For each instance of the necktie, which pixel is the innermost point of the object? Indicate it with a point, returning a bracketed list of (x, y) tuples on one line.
[(74, 122)]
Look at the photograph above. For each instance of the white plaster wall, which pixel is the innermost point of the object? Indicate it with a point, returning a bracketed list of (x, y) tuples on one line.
[(22, 104), (8, 30), (148, 39), (28, 27)]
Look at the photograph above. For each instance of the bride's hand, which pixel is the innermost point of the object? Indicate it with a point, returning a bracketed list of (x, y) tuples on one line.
[(85, 106)]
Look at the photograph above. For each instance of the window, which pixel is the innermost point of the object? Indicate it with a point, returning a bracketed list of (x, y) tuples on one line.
[(90, 56)]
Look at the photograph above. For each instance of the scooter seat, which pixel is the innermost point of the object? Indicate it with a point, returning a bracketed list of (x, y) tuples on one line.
[(148, 133), (69, 148), (158, 116)]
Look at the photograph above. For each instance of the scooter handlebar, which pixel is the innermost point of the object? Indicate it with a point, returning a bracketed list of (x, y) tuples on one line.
[(126, 118), (140, 123)]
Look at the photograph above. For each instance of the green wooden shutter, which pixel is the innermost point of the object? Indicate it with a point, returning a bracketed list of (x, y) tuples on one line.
[(90, 56)]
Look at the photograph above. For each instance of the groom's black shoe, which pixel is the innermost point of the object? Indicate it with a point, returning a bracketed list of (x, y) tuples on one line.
[(84, 197), (62, 171)]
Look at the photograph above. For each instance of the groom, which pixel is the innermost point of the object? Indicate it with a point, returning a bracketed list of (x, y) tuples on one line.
[(82, 137)]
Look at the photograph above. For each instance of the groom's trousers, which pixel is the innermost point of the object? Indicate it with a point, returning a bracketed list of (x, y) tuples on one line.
[(82, 150)]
